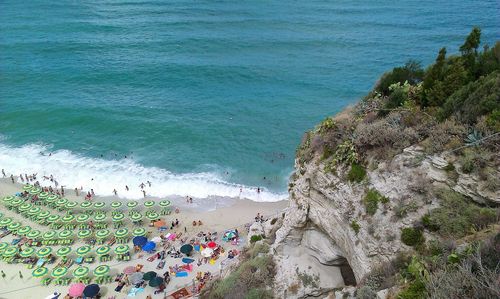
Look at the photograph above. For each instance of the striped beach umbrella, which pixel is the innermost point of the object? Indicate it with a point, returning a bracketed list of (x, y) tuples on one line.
[(43, 195), (103, 250), (39, 272), (100, 217), (14, 226), (59, 272), (23, 230), (53, 218), (35, 191), (86, 204), (101, 270), (139, 232), (164, 203), (118, 217), (83, 250), (5, 221), (103, 233), (24, 207), (10, 251), (16, 202), (3, 245), (49, 235), (122, 249), (122, 232), (61, 202), (51, 198), (99, 205), (116, 204), (43, 214), (81, 271), (152, 216), (8, 198), (44, 251), (33, 234), (131, 204), (84, 233), (34, 211), (149, 203), (71, 204), (27, 252), (63, 251), (82, 218), (64, 234), (67, 218), (136, 217), (27, 187)]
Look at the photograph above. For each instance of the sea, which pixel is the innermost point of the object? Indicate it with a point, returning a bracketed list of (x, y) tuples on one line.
[(200, 98)]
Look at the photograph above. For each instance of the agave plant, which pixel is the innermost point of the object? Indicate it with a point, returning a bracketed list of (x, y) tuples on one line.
[(473, 138)]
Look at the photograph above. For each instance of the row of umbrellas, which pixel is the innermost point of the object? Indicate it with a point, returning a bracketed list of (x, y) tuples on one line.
[(10, 251), (79, 272)]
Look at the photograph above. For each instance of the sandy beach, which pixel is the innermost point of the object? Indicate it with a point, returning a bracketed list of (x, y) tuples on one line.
[(216, 214)]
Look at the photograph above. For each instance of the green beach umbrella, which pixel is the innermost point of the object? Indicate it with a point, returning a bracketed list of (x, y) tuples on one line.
[(100, 217), (122, 232), (63, 251), (81, 271), (35, 191), (43, 195), (86, 204), (27, 252), (51, 198), (99, 205), (116, 204), (59, 272), (39, 272), (14, 226), (5, 221), (65, 234), (8, 198), (103, 250), (24, 230), (82, 218), (164, 203), (67, 218), (43, 214), (153, 216), (53, 218), (101, 270), (16, 201), (3, 245), (24, 207), (10, 251), (49, 235), (44, 251), (61, 202), (83, 250), (71, 204), (84, 233), (34, 211), (139, 232), (33, 234), (149, 203), (103, 233), (121, 249), (118, 217), (27, 187), (136, 217), (131, 204)]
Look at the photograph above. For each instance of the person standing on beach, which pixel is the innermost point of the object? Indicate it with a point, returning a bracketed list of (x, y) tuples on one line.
[(126, 187), (115, 192), (149, 183), (20, 275), (3, 172), (144, 192), (76, 191), (12, 179), (3, 274), (142, 185)]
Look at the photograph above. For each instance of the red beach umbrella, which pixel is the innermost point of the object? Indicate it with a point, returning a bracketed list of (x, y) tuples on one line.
[(76, 290), (212, 244)]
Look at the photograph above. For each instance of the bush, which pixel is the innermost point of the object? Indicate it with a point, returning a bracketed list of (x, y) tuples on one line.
[(371, 200), (357, 173), (415, 290), (255, 238), (355, 226), (412, 236), (365, 292), (429, 223), (411, 72)]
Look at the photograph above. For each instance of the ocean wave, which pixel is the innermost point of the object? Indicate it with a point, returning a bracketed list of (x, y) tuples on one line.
[(72, 170)]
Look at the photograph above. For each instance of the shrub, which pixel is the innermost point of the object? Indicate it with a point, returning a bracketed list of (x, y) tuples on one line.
[(412, 236), (445, 136), (255, 238), (415, 290), (429, 223), (355, 226), (449, 167), (371, 200), (402, 209), (411, 72), (365, 292), (357, 173)]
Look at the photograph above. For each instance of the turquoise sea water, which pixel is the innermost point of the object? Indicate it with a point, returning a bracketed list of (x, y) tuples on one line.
[(203, 97)]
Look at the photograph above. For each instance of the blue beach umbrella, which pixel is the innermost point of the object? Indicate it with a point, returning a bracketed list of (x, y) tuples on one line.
[(91, 290), (140, 241), (149, 246)]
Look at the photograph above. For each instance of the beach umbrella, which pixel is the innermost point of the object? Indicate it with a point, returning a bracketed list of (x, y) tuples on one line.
[(116, 204), (49, 235), (131, 204), (63, 251), (160, 223), (149, 246), (129, 270), (103, 250), (140, 241), (84, 233), (33, 234), (51, 198), (118, 217), (25, 206), (76, 290), (99, 205), (8, 198), (86, 204), (122, 232), (5, 221), (83, 250), (71, 204), (186, 248), (139, 231), (10, 251), (82, 218), (211, 244), (61, 202), (230, 234), (149, 203), (164, 203), (43, 214), (35, 191), (16, 201), (136, 217), (44, 251), (34, 210), (39, 272), (155, 282), (91, 290), (149, 275), (187, 260), (207, 252), (65, 234), (23, 230), (152, 216), (67, 218), (122, 249), (3, 245), (53, 218), (43, 195), (103, 233), (59, 272), (136, 277), (100, 217), (27, 187), (81, 271), (27, 252), (13, 226), (101, 270)]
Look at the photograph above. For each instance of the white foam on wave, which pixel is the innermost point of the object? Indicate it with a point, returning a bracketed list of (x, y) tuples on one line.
[(72, 170)]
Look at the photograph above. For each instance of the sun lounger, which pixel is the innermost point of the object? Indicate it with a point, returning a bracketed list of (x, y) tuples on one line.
[(41, 262)]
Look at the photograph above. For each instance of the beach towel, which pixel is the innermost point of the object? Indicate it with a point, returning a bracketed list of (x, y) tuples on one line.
[(187, 260), (181, 274), (135, 291), (197, 247), (212, 261)]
